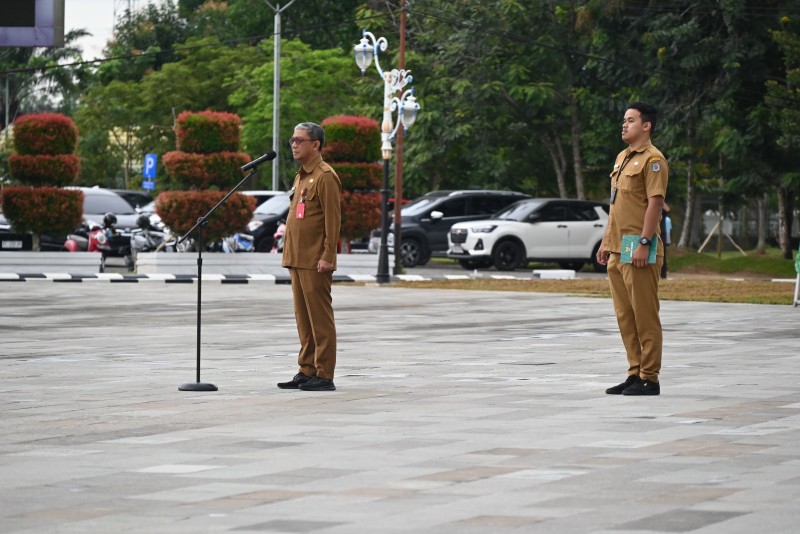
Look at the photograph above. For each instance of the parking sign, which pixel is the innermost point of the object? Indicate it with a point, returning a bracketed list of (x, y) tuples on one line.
[(149, 172), (150, 161)]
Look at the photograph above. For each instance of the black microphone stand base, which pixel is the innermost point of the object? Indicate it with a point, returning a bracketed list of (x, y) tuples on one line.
[(197, 386)]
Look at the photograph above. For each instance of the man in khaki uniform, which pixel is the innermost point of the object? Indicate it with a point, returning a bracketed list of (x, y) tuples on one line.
[(638, 187), (309, 252)]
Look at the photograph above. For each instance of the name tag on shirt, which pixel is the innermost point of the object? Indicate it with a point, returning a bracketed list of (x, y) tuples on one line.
[(300, 211)]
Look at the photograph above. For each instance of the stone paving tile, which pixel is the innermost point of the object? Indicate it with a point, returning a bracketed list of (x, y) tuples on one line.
[(456, 412)]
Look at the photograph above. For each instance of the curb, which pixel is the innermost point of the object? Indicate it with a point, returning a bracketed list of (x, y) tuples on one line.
[(223, 278)]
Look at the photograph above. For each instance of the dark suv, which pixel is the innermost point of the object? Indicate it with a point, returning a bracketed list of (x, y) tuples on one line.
[(427, 220)]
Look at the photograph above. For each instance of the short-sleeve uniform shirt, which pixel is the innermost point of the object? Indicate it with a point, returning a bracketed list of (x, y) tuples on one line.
[(637, 175), (316, 236)]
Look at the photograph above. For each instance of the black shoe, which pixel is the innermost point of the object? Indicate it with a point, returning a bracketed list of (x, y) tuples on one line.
[(316, 383), (618, 389), (643, 387), (295, 382)]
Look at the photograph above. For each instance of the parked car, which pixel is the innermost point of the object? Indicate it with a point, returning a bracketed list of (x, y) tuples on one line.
[(426, 221), (568, 232), (262, 195), (97, 202), (136, 199), (266, 219)]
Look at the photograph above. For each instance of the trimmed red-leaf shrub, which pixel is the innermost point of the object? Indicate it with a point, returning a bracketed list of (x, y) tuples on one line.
[(45, 133), (43, 169), (361, 213), (40, 210), (202, 171), (208, 131), (360, 176), (351, 138), (180, 210)]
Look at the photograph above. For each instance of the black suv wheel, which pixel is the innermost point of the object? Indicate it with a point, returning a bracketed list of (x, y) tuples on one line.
[(412, 253)]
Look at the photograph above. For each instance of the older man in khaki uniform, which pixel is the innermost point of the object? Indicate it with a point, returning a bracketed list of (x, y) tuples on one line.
[(309, 252), (638, 187)]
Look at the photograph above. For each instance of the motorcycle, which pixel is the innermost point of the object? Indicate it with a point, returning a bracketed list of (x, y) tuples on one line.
[(110, 242), (278, 237), (78, 240), (238, 243), (148, 238)]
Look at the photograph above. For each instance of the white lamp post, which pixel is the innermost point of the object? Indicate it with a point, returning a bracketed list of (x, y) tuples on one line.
[(407, 107)]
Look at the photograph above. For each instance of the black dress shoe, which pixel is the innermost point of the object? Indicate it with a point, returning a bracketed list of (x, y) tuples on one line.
[(643, 387), (295, 382), (619, 388), (316, 383)]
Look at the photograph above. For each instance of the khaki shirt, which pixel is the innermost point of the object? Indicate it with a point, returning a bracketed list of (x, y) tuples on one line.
[(644, 175), (316, 236)]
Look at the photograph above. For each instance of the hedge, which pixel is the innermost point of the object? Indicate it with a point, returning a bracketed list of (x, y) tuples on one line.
[(45, 133), (360, 176), (361, 213), (44, 169), (180, 210), (202, 171), (351, 138), (50, 210), (208, 131)]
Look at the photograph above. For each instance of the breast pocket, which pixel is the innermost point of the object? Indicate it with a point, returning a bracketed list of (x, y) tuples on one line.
[(631, 180), (312, 201)]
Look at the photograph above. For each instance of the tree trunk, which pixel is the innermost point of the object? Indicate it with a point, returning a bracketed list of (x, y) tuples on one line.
[(763, 224), (556, 151), (744, 217), (688, 222), (785, 216), (577, 158), (687, 232)]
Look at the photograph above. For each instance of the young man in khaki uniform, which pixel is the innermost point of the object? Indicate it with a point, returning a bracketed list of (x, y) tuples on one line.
[(309, 252), (638, 187)]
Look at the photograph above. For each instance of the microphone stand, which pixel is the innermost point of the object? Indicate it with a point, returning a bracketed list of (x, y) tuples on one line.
[(200, 225)]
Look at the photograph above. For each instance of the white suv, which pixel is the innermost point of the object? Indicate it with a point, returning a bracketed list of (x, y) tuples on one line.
[(564, 231)]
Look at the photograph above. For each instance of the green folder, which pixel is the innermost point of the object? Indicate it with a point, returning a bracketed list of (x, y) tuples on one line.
[(629, 244)]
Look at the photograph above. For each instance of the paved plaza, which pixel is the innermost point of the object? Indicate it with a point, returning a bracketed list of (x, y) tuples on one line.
[(456, 411)]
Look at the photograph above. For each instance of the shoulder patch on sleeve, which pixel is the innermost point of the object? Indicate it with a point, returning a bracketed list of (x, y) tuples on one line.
[(655, 166)]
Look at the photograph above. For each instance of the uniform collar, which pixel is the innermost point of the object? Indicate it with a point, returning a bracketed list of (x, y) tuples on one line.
[(641, 148), (309, 167)]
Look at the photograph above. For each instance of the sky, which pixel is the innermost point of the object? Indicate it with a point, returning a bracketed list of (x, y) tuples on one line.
[(97, 17)]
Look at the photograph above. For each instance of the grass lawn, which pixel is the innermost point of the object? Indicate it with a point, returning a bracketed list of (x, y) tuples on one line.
[(693, 277)]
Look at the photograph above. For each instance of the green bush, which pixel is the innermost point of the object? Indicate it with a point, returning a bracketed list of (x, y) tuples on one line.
[(40, 210), (351, 138), (361, 213), (44, 169), (360, 176), (46, 133), (208, 131), (202, 171), (180, 210)]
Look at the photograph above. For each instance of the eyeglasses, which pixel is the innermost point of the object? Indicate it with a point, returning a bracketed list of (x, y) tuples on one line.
[(298, 140)]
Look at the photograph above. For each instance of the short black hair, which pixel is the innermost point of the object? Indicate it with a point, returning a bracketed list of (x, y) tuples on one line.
[(648, 112), (315, 132)]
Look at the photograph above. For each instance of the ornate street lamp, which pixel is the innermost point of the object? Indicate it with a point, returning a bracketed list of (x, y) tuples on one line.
[(407, 107)]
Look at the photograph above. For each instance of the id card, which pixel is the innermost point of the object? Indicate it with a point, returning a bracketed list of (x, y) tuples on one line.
[(300, 211), (613, 195)]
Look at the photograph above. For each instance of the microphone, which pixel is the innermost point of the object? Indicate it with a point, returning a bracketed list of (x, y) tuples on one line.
[(269, 156)]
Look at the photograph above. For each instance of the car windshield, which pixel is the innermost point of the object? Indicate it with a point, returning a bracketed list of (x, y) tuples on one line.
[(518, 211), (415, 207), (106, 203), (274, 206)]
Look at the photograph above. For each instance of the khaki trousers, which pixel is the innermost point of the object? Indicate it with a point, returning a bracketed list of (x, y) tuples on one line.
[(313, 310), (635, 294)]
